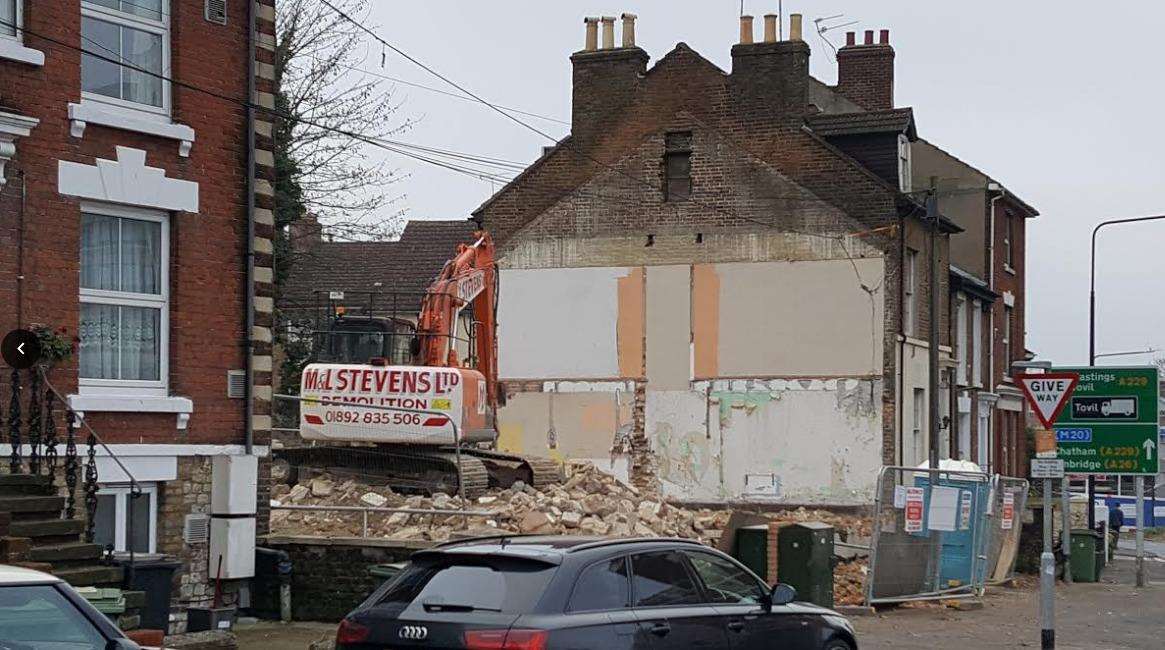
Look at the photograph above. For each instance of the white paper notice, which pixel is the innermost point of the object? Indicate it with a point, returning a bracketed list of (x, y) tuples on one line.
[(899, 496), (944, 508)]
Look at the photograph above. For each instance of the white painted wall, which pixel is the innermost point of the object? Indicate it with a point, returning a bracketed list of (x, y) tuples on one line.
[(559, 323)]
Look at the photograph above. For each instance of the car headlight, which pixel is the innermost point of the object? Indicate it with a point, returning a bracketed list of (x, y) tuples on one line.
[(840, 622)]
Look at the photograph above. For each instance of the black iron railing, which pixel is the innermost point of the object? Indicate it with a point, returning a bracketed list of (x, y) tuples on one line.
[(32, 417)]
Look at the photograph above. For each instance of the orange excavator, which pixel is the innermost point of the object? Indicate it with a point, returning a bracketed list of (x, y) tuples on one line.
[(424, 395)]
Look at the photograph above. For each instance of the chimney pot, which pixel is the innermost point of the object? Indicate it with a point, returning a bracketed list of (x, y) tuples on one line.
[(869, 37), (771, 28), (746, 30), (629, 30), (794, 27), (608, 32), (850, 38), (884, 37), (592, 42)]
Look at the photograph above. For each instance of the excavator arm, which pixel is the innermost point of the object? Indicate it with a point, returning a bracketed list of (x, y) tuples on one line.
[(470, 278)]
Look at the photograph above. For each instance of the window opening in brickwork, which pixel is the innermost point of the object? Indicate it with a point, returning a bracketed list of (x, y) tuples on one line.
[(1007, 358), (136, 35), (904, 167), (961, 343), (124, 299), (678, 166), (910, 288), (1008, 239), (115, 507), (976, 343), (918, 432)]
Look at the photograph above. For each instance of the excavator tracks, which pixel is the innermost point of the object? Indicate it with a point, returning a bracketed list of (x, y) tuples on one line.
[(534, 471), (416, 470)]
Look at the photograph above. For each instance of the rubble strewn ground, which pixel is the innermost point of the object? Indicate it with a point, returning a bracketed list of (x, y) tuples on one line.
[(589, 502)]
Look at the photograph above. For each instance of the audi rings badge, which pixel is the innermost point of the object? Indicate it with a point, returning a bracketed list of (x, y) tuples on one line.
[(413, 632)]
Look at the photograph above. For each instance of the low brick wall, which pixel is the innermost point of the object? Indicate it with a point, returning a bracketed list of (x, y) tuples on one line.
[(329, 575)]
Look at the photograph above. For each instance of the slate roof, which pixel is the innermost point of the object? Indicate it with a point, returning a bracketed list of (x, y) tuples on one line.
[(896, 120), (406, 266)]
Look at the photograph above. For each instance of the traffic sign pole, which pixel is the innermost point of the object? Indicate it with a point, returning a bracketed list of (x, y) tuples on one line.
[(1047, 577), (1139, 482), (1066, 532)]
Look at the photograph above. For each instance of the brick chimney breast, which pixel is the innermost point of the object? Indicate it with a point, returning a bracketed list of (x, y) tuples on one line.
[(865, 73)]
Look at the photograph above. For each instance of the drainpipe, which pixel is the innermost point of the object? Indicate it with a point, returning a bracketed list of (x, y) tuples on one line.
[(997, 190), (249, 306), (902, 332)]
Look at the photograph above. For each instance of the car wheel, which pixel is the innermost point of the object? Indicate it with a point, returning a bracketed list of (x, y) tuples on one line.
[(837, 644)]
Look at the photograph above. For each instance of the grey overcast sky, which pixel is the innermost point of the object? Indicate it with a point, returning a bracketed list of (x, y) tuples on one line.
[(1059, 101)]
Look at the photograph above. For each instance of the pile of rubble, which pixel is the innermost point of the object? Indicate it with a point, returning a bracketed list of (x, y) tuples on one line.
[(589, 502)]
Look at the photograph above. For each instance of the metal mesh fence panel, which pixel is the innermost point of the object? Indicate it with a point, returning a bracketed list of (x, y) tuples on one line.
[(1008, 500), (930, 534)]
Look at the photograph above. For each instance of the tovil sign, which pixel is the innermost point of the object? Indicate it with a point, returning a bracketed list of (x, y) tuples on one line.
[(1048, 393)]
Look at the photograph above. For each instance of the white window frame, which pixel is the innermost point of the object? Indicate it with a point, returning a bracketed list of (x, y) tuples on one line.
[(139, 23), (905, 166), (121, 493), (920, 439), (88, 385), (977, 343), (1007, 359), (961, 344), (18, 20), (911, 291), (12, 47)]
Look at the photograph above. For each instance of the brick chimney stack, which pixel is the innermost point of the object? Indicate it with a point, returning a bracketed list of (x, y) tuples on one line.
[(605, 78), (771, 79), (305, 233), (865, 72)]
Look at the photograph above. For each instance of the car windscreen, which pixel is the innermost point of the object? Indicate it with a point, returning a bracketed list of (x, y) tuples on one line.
[(459, 583), (38, 617)]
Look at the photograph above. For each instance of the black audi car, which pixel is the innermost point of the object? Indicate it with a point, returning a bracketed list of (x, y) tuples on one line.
[(552, 593)]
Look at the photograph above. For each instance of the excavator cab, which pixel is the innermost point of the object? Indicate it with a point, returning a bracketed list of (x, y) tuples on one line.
[(368, 340)]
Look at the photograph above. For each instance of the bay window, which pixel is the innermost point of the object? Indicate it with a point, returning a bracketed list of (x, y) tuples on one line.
[(136, 36), (124, 299)]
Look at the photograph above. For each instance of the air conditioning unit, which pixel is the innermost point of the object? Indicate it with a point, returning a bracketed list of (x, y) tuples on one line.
[(216, 11)]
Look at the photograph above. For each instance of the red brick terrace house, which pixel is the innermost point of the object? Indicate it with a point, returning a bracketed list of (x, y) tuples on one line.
[(129, 218)]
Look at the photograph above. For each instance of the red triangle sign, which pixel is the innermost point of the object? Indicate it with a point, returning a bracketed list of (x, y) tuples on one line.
[(1048, 393)]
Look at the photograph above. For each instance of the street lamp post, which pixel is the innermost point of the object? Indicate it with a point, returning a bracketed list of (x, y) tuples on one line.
[(1092, 334)]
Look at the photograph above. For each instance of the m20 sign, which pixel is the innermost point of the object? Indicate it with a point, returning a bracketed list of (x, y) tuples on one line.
[(1109, 424)]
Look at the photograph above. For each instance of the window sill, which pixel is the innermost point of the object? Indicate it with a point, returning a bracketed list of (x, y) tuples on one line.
[(181, 406), (13, 50), (80, 115)]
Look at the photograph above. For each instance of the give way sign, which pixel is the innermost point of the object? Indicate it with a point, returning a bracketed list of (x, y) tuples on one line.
[(1048, 393)]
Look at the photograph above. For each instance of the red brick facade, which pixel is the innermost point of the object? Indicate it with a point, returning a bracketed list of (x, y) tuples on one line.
[(207, 250), (1009, 426)]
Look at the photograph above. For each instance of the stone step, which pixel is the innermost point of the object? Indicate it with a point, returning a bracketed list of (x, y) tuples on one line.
[(48, 531), (5, 520), (92, 575), (26, 484), (24, 506), (69, 552)]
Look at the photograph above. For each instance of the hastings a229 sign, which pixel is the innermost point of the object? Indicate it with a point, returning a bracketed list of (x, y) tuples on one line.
[(1109, 424)]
